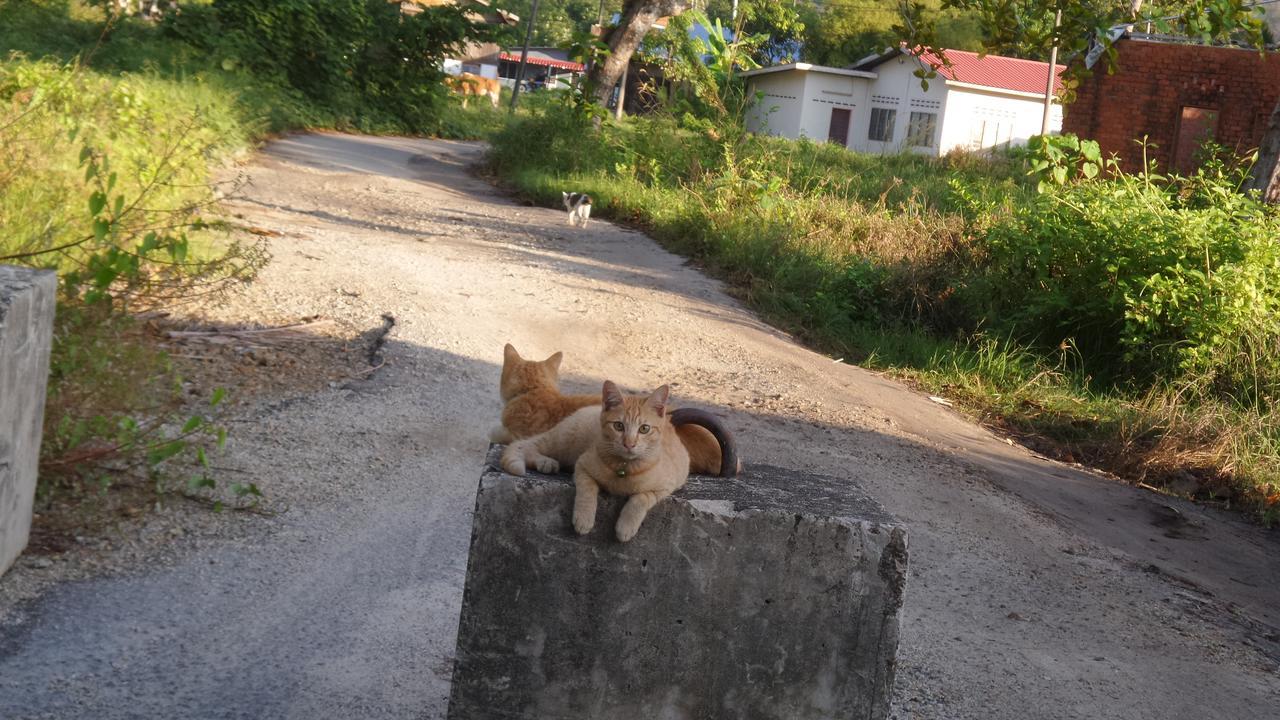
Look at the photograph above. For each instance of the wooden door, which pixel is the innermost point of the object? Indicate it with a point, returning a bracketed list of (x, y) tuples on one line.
[(838, 132)]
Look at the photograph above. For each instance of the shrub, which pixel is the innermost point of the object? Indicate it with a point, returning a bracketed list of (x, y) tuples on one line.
[(106, 181), (1151, 277), (360, 59)]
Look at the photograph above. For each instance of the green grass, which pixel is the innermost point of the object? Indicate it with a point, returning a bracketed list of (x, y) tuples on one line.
[(860, 256)]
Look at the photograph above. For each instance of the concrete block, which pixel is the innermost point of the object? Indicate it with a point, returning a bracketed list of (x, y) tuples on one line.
[(27, 299), (772, 595)]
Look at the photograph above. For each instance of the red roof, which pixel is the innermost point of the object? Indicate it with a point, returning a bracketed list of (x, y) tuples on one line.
[(544, 61), (995, 71)]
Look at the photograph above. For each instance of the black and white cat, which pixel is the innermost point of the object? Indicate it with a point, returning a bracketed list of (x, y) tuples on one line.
[(579, 207)]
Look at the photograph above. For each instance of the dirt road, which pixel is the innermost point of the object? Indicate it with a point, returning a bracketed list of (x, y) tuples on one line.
[(1037, 590)]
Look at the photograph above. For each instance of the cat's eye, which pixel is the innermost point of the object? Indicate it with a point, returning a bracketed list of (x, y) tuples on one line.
[(619, 426), (644, 429)]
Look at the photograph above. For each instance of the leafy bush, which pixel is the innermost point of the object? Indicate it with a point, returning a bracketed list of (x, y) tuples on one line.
[(1151, 277), (361, 59), (106, 180)]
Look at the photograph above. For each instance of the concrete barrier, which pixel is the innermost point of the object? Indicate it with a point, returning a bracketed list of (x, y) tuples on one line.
[(27, 300), (773, 595)]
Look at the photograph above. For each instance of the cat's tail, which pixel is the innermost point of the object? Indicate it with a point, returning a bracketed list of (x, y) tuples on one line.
[(729, 463)]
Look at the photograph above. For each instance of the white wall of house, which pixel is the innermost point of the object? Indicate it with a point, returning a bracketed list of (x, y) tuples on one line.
[(778, 111), (896, 89), (824, 92), (799, 103), (986, 118)]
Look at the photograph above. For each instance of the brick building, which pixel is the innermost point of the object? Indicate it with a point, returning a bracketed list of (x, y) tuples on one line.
[(1176, 95)]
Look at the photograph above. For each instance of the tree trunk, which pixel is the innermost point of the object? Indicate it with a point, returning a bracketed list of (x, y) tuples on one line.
[(637, 18), (1266, 172)]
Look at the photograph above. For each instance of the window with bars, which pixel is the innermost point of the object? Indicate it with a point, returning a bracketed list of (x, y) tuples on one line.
[(881, 124), (922, 129)]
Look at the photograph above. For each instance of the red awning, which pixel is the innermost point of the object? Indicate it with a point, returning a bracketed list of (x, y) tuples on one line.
[(544, 61)]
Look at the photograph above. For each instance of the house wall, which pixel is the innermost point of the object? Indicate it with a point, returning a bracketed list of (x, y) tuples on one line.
[(778, 112), (896, 88), (824, 92), (1155, 81), (978, 119)]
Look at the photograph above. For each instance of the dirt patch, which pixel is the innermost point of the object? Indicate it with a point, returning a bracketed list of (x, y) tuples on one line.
[(258, 362)]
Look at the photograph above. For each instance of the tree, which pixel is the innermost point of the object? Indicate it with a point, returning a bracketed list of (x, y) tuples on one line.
[(778, 22), (558, 20), (839, 34), (637, 19), (1266, 171)]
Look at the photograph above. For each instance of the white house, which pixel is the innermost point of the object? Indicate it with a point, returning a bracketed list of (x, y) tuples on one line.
[(879, 105)]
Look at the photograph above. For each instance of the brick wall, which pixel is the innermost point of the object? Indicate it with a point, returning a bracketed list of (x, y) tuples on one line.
[(1155, 81)]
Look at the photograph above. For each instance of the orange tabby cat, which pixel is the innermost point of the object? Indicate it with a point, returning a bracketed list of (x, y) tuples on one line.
[(626, 447), (530, 390), (534, 404)]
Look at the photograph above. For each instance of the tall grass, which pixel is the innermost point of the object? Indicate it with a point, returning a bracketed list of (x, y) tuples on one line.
[(894, 261)]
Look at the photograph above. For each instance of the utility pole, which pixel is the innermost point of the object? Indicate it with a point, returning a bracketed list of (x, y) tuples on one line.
[(1053, 72), (524, 56)]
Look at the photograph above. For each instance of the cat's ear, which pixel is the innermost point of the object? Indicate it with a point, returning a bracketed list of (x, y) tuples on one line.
[(611, 396), (658, 400), (564, 194), (509, 354), (554, 361)]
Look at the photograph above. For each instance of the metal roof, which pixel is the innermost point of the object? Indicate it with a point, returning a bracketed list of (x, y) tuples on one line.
[(540, 57), (992, 71)]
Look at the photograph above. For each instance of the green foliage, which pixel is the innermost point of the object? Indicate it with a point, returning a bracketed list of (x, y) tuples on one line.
[(361, 58), (137, 156), (1057, 159), (704, 70), (107, 183), (1027, 29), (558, 21), (113, 416), (839, 34), (1153, 277), (776, 26)]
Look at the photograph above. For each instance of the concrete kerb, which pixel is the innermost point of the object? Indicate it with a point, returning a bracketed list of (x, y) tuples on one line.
[(27, 300), (773, 595)]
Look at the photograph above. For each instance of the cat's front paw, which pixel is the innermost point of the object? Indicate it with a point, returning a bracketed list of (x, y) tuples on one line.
[(513, 462), (582, 522), (627, 528), (548, 466)]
